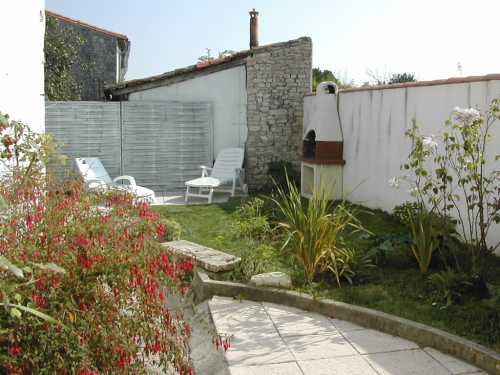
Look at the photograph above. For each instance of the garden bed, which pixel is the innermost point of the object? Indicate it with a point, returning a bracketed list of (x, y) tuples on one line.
[(394, 287)]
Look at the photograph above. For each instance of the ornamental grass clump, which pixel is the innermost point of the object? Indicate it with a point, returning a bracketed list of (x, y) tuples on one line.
[(83, 283), (315, 230)]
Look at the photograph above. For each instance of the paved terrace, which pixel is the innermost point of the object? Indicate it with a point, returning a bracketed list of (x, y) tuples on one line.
[(279, 340)]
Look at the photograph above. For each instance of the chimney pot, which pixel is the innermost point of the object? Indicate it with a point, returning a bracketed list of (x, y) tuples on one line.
[(254, 28)]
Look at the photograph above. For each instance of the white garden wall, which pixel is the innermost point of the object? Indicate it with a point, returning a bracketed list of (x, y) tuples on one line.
[(373, 124), (21, 63), (226, 90)]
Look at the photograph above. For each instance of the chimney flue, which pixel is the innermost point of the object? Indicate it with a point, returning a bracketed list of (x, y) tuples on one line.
[(254, 28)]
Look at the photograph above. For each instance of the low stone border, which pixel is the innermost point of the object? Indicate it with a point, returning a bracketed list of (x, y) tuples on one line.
[(425, 336)]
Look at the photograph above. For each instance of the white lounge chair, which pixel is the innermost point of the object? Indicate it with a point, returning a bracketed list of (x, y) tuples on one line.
[(227, 169), (96, 177)]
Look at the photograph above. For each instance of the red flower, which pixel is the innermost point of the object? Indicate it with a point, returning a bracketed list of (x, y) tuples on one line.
[(156, 347), (15, 350), (187, 265), (151, 287), (40, 301), (30, 221), (161, 230), (86, 262), (87, 372), (55, 281), (82, 241), (8, 140), (161, 295), (40, 283)]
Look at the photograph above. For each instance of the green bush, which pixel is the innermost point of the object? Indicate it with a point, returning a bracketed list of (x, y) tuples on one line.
[(174, 230), (260, 259), (391, 250), (250, 221), (450, 287), (406, 212)]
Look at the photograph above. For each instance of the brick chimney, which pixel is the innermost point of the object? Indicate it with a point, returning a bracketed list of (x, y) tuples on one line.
[(254, 29)]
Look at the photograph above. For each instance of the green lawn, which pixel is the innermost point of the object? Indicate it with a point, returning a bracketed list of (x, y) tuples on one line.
[(396, 289), (208, 225)]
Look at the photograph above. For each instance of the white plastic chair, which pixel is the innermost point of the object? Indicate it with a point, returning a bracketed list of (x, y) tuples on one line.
[(96, 177), (227, 169)]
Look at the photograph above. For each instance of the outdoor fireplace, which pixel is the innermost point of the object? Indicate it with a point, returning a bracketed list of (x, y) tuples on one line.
[(322, 147)]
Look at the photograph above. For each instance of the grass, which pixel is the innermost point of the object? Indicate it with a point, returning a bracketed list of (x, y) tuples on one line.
[(398, 290), (208, 225)]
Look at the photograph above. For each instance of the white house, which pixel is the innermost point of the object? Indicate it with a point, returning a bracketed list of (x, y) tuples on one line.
[(22, 62)]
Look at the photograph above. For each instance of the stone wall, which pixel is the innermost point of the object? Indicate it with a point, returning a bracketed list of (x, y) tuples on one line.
[(96, 62), (278, 77)]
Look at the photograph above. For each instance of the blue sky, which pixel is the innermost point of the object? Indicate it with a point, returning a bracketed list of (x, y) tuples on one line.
[(427, 37)]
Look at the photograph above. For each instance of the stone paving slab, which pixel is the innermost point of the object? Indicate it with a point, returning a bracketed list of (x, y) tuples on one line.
[(258, 351), (289, 368), (368, 341), (319, 346), (414, 362), (355, 365), (273, 339), (292, 322), (206, 257), (344, 326), (454, 365), (242, 319)]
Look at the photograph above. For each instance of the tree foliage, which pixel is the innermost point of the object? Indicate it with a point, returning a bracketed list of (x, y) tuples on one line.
[(381, 79), (319, 75), (402, 78), (207, 57), (61, 53)]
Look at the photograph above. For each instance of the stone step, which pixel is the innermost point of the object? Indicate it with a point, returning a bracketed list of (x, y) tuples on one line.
[(210, 259)]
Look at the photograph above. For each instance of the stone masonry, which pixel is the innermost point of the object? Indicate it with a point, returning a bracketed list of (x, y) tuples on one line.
[(96, 63), (278, 77)]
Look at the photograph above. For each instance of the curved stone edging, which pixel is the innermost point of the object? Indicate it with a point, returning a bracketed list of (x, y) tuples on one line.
[(425, 336)]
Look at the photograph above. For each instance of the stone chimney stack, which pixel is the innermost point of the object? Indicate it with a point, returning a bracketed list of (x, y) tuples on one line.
[(254, 29)]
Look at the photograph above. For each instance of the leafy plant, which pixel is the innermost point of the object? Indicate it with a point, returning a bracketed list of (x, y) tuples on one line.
[(250, 221), (61, 53), (82, 278), (391, 249), (169, 230), (315, 231), (406, 212), (424, 238), (456, 162), (451, 287), (280, 172), (347, 264), (259, 259)]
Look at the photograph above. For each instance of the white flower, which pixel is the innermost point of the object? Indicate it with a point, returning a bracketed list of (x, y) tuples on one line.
[(394, 182), (413, 191), (429, 142), (466, 115)]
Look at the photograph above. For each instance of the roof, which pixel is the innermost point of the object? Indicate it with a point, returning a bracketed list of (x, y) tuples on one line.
[(86, 25), (196, 70)]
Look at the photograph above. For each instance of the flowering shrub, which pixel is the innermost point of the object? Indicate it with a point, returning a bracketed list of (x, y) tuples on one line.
[(452, 176), (83, 283)]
